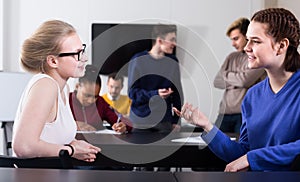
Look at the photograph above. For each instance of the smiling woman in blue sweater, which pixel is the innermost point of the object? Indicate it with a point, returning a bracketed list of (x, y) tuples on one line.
[(269, 138)]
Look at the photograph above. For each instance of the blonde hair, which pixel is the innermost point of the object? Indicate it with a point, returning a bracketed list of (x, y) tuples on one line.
[(45, 41)]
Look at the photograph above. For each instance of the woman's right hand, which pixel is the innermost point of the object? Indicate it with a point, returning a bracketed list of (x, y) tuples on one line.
[(119, 127), (84, 151), (194, 116)]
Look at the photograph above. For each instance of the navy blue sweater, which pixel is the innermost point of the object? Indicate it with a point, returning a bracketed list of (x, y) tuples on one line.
[(145, 76)]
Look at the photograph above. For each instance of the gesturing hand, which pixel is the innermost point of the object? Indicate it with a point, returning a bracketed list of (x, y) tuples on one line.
[(164, 93), (194, 116)]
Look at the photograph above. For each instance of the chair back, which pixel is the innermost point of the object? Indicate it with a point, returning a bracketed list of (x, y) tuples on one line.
[(296, 164), (63, 161)]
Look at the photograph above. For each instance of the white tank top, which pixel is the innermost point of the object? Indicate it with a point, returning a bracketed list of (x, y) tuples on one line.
[(63, 129)]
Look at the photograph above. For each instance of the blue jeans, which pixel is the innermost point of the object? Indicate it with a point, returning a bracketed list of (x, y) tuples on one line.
[(230, 123)]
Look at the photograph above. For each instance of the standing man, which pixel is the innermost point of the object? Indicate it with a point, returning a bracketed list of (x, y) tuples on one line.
[(113, 97), (154, 84), (235, 78)]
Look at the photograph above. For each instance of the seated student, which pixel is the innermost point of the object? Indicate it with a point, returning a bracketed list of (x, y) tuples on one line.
[(44, 124), (270, 137), (89, 109), (113, 97)]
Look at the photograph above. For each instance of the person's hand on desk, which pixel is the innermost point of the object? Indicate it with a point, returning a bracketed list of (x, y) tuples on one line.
[(119, 127), (82, 126), (84, 151), (194, 116), (240, 164)]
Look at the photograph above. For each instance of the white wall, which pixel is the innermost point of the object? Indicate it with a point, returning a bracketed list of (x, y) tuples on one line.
[(200, 16), (292, 5), (1, 34)]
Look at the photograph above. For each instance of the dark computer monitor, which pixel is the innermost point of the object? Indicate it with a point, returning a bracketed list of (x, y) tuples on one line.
[(113, 45)]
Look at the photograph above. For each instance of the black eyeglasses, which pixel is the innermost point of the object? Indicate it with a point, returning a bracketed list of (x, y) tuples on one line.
[(78, 54)]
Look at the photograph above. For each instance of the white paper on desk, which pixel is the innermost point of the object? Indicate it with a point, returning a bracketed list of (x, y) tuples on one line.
[(197, 140), (106, 131), (85, 131)]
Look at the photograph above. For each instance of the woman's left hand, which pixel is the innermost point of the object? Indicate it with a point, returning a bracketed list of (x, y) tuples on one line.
[(84, 151), (240, 164)]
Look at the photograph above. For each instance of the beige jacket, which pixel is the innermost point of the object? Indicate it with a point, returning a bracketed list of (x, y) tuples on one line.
[(236, 78)]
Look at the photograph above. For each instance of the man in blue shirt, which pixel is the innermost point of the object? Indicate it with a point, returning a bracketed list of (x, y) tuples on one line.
[(154, 84)]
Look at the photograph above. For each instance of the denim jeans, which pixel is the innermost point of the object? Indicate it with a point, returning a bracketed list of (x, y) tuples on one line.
[(230, 123)]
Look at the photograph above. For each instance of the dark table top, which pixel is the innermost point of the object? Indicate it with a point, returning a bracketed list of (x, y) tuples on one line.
[(57, 175), (51, 175), (152, 149), (237, 177), (140, 138)]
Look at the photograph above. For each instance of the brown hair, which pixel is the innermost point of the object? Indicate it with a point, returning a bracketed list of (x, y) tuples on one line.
[(161, 30), (282, 24), (115, 76), (241, 24), (45, 41)]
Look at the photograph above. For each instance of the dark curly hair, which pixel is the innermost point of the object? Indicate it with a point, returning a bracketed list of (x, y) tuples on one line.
[(91, 75)]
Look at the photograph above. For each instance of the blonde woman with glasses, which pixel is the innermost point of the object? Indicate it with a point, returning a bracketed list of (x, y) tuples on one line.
[(44, 123)]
